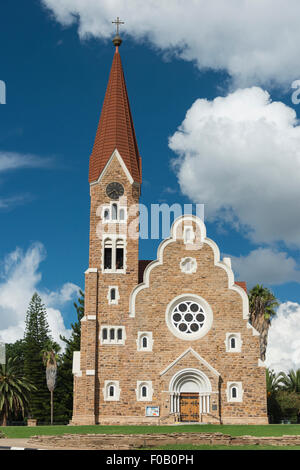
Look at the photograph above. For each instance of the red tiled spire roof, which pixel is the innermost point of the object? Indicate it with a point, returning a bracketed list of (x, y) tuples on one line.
[(116, 129)]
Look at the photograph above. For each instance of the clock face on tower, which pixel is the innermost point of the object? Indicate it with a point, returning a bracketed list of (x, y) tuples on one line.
[(114, 190)]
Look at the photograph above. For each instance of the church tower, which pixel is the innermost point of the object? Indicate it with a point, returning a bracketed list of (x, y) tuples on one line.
[(115, 178)]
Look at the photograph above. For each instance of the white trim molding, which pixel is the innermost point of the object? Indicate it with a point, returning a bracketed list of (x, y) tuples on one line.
[(139, 388), (114, 301), (117, 155), (238, 342), (112, 335), (120, 205), (91, 270), (91, 317), (139, 342), (188, 265), (114, 238), (254, 331), (234, 388), (106, 390), (76, 364), (197, 356), (197, 246)]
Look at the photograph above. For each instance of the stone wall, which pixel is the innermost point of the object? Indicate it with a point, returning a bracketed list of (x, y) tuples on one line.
[(138, 441)]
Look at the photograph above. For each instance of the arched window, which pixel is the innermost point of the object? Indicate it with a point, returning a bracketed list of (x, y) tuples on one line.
[(115, 335), (120, 334), (104, 334), (107, 254), (188, 236), (122, 215), (235, 392), (106, 214), (144, 391), (119, 254), (111, 390), (233, 342), (114, 212), (114, 255), (144, 341)]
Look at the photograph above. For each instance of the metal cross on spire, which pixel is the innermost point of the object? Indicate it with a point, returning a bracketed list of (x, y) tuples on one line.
[(118, 22)]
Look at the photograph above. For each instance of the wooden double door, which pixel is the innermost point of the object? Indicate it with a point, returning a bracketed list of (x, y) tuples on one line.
[(189, 407)]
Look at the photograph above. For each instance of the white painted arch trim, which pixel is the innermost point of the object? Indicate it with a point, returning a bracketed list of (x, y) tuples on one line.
[(217, 262), (187, 374), (200, 359), (122, 163)]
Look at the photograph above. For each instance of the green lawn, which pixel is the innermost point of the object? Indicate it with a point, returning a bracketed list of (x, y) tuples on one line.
[(236, 430)]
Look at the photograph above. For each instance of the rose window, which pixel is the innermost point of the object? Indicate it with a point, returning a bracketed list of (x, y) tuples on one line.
[(188, 317)]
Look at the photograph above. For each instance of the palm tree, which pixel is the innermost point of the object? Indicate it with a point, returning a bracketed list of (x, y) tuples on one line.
[(273, 381), (291, 381), (14, 390), (262, 305), (50, 359)]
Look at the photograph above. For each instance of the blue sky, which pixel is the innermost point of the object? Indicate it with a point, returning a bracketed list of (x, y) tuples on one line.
[(56, 78)]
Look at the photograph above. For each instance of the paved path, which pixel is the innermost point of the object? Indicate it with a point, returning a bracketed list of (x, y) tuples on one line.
[(22, 443)]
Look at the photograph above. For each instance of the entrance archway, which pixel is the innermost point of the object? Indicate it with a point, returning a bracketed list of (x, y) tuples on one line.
[(190, 391)]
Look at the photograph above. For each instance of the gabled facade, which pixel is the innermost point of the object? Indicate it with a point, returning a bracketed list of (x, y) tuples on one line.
[(166, 340)]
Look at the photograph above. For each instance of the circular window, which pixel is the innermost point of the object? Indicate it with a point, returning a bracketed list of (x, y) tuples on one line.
[(189, 317)]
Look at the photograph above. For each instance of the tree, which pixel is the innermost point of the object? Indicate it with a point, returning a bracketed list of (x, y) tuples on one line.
[(50, 359), (16, 350), (273, 381), (64, 389), (289, 405), (262, 304), (36, 339), (291, 381), (15, 390)]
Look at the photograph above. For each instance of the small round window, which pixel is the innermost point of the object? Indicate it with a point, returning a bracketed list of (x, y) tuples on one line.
[(189, 317)]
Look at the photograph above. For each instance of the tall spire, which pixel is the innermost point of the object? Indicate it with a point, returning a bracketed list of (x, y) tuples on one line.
[(116, 129)]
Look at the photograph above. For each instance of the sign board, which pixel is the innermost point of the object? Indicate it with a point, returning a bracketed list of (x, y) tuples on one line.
[(2, 353), (152, 411)]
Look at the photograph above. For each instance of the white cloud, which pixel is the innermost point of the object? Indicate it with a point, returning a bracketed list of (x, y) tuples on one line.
[(15, 161), (19, 279), (240, 156), (283, 351), (256, 41), (266, 266), (10, 161)]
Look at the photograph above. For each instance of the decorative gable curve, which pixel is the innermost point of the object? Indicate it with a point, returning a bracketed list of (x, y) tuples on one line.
[(203, 240)]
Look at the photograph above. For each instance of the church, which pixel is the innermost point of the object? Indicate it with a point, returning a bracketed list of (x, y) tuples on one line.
[(162, 341)]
